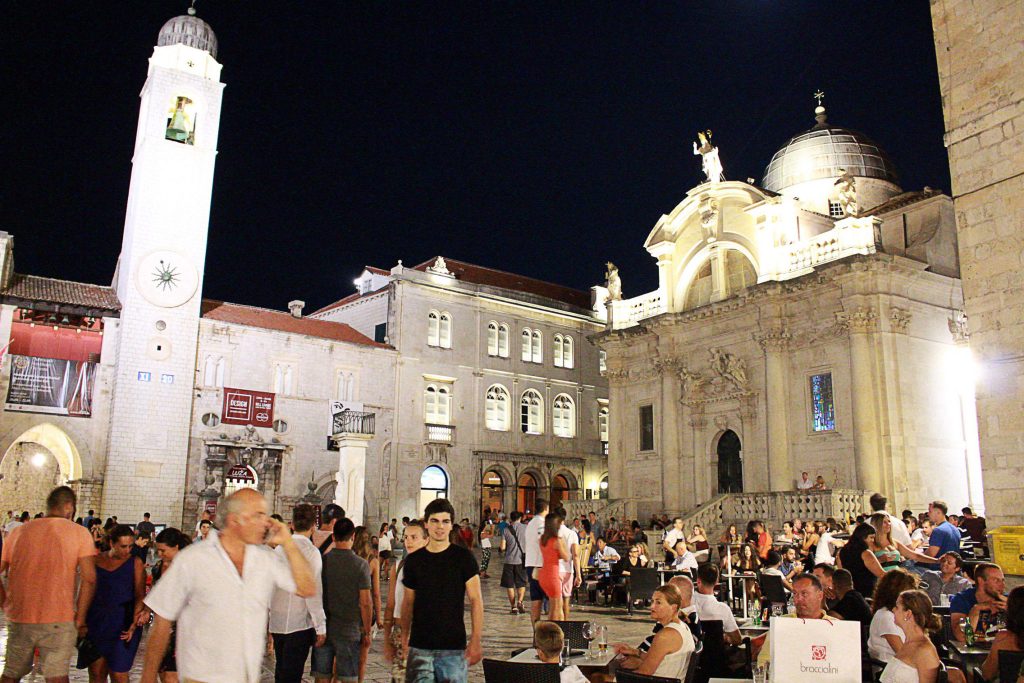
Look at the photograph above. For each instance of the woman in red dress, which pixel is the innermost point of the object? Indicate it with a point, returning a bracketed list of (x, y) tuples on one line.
[(552, 549)]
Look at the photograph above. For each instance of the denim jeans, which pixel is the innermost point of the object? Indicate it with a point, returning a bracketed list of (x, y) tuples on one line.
[(435, 666)]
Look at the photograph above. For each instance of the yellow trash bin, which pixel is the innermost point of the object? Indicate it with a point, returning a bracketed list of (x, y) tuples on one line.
[(1008, 548)]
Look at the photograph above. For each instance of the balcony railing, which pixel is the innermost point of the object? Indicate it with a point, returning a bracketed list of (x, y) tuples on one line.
[(440, 434), (354, 422), (629, 312)]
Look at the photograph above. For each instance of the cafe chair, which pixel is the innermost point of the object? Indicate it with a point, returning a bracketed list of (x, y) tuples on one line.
[(693, 666), (714, 660), (623, 676), (772, 590), (572, 631), (641, 585), (497, 671)]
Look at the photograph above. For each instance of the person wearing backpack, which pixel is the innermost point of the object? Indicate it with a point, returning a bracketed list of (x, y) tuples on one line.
[(513, 575)]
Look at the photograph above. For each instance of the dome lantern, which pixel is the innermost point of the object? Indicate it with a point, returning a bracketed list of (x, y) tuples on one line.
[(188, 29)]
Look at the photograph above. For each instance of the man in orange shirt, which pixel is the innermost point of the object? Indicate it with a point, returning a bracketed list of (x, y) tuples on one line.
[(42, 557)]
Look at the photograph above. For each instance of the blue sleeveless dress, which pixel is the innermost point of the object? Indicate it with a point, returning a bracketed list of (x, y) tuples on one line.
[(111, 614)]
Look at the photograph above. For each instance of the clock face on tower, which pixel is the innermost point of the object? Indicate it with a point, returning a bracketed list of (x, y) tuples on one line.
[(167, 279)]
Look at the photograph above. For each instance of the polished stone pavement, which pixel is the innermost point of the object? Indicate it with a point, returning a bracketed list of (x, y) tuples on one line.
[(503, 632)]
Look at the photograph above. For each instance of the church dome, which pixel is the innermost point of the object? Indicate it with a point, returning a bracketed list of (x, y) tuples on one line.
[(823, 152), (188, 29)]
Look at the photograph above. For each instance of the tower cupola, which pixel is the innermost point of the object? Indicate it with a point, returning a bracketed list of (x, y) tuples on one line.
[(188, 29)]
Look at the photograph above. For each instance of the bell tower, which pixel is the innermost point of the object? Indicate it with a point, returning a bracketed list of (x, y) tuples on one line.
[(160, 273)]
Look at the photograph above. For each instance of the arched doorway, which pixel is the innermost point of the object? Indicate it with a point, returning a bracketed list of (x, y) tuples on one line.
[(563, 488), (602, 488), (492, 493), (40, 459), (433, 484), (730, 467), (527, 498)]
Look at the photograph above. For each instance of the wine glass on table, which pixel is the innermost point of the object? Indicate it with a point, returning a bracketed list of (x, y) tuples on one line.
[(589, 633)]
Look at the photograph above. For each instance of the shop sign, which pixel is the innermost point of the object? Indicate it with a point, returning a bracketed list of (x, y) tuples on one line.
[(244, 407)]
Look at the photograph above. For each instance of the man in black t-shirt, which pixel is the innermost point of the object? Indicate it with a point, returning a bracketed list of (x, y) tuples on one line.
[(437, 581), (851, 605), (145, 527)]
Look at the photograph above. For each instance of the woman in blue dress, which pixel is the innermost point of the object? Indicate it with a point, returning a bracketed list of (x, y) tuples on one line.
[(120, 589)]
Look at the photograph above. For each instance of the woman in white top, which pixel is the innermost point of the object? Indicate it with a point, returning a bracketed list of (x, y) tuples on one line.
[(670, 652), (384, 549), (885, 637), (415, 537), (917, 661)]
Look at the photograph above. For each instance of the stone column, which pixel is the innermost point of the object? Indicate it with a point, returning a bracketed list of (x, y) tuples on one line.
[(863, 325), (618, 429), (780, 465), (351, 473), (719, 276), (671, 484), (663, 252)]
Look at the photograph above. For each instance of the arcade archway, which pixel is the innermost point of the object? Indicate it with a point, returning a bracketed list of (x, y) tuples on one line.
[(41, 458)]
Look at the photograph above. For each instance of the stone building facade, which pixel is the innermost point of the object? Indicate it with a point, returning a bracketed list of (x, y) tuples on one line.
[(499, 397), (979, 50), (794, 331)]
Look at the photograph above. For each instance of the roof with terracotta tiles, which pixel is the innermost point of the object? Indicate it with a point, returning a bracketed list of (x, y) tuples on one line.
[(282, 321), (468, 272), (32, 288), (346, 300)]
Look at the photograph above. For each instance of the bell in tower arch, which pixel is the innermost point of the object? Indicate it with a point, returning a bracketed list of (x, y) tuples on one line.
[(180, 122)]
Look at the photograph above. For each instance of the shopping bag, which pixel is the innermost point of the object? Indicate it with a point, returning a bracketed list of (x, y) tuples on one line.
[(814, 650)]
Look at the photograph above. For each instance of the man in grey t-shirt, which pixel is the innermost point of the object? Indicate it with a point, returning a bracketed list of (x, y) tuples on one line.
[(347, 602), (513, 574)]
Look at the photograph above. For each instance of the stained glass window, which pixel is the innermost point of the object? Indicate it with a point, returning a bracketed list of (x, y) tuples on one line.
[(823, 409)]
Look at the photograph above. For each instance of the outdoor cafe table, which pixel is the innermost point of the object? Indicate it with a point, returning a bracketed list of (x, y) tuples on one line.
[(971, 655), (599, 662), (744, 578)]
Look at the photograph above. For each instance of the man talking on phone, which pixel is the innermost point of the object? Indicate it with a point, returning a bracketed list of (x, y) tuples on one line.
[(227, 580)]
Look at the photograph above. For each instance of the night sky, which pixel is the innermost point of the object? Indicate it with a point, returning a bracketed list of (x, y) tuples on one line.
[(541, 137)]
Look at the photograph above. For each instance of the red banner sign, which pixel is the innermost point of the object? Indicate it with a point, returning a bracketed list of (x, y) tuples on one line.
[(244, 407)]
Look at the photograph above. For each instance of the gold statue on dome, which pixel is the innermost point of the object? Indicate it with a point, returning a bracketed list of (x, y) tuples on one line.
[(710, 163)]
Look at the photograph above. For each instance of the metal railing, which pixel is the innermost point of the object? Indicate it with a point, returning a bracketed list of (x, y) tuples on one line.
[(354, 422)]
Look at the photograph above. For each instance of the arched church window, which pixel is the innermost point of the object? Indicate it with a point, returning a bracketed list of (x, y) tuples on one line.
[(699, 291), (181, 121)]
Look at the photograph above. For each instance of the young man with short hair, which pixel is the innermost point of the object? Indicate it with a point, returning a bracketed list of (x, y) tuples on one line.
[(323, 538), (513, 573), (145, 527), (947, 579), (673, 536), (944, 537), (984, 600), (708, 606), (297, 624), (348, 604), (850, 604), (437, 581)]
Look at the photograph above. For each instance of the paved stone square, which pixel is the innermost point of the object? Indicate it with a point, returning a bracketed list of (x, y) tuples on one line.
[(503, 633)]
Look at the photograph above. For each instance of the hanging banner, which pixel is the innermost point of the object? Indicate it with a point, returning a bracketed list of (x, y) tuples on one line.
[(51, 385), (244, 407)]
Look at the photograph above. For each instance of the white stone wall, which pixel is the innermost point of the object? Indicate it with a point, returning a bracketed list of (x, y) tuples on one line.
[(250, 354), (979, 51)]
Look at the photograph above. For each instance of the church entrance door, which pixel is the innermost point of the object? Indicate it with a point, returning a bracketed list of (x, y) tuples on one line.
[(730, 468)]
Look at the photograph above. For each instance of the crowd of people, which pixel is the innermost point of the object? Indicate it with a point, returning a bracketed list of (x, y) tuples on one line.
[(311, 590)]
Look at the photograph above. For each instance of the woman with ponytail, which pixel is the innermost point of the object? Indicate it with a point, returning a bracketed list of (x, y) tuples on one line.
[(917, 661)]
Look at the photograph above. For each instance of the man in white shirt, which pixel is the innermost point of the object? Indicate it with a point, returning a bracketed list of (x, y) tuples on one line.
[(899, 531), (569, 570), (673, 536), (218, 592), (805, 482), (708, 606), (685, 560), (15, 523), (534, 559), (296, 624)]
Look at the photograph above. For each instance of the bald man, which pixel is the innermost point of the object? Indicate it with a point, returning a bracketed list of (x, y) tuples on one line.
[(688, 611), (228, 579)]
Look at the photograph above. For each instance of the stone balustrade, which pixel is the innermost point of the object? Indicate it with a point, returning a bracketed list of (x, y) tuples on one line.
[(850, 236), (628, 312)]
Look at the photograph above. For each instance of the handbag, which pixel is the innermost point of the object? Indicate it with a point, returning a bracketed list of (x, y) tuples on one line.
[(87, 653)]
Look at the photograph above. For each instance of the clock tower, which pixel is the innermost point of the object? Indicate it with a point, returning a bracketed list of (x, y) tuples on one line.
[(160, 272)]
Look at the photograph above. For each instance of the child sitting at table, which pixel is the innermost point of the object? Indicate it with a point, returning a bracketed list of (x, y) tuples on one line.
[(549, 640)]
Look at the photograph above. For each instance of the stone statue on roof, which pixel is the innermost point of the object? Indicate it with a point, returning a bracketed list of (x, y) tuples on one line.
[(847, 193), (710, 162), (613, 283)]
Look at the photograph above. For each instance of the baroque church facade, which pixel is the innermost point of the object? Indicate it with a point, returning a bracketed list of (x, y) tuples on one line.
[(145, 396), (809, 323)]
